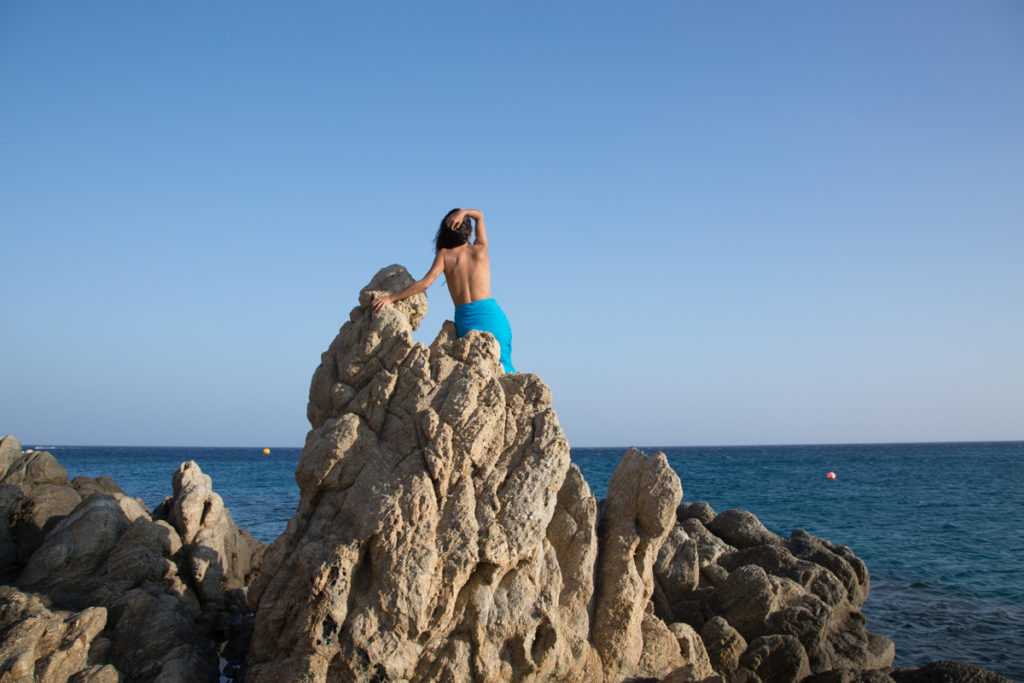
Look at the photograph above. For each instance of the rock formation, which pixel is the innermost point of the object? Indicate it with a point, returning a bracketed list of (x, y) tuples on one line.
[(778, 608), (105, 591), (442, 534), (442, 531)]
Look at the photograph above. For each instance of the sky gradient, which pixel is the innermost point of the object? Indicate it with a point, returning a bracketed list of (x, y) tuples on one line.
[(710, 223)]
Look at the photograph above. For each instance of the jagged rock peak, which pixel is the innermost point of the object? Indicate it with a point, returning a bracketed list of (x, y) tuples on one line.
[(420, 548)]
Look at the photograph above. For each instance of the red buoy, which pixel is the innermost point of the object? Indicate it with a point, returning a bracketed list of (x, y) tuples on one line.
[(831, 475)]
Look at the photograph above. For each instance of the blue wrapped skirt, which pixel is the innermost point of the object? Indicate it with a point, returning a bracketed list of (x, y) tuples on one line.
[(486, 315)]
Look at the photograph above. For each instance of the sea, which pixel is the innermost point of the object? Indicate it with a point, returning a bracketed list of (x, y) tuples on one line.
[(939, 525)]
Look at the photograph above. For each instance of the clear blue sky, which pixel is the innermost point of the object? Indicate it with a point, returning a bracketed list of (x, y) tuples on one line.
[(710, 223)]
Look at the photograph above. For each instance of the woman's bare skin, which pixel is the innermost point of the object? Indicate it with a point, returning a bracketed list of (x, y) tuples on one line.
[(467, 268)]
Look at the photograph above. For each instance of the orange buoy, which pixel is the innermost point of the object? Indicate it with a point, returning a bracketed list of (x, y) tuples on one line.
[(831, 475), (266, 451)]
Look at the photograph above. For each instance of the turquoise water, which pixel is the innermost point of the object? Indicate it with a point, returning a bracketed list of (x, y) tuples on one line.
[(939, 525)]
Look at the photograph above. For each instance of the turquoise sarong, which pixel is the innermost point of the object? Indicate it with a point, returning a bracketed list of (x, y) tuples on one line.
[(486, 315)]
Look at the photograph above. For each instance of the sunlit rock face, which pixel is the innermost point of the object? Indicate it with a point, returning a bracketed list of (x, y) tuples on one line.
[(442, 533)]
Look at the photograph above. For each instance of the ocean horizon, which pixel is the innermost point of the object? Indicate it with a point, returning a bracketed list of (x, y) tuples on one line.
[(938, 524)]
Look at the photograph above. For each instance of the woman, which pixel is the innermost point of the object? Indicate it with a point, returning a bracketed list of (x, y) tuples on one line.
[(467, 269)]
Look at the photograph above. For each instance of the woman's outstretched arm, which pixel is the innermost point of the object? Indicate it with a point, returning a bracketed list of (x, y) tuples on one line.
[(415, 288)]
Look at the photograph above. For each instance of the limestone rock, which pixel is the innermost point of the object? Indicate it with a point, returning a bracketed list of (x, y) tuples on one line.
[(643, 494), (676, 572), (778, 659), (947, 672), (422, 546), (109, 552), (35, 497), (442, 533), (38, 511), (779, 561), (691, 646), (699, 510), (97, 673), (573, 534), (88, 547), (724, 646), (65, 564), (221, 558), (741, 529), (32, 469), (850, 676), (144, 556), (746, 599), (10, 450), (86, 486), (40, 644), (709, 546), (660, 652), (761, 585), (838, 559), (152, 640)]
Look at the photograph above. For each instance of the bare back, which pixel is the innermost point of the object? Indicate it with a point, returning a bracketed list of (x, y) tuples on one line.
[(467, 269)]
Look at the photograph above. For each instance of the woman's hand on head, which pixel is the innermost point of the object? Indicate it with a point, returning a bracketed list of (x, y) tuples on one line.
[(455, 220), (380, 302)]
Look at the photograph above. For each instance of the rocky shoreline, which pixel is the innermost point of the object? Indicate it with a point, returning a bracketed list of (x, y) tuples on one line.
[(442, 534)]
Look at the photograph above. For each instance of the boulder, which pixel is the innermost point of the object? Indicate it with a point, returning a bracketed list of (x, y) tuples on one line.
[(850, 676), (741, 529), (676, 572), (66, 563), (643, 494), (709, 546), (724, 646), (86, 486), (691, 647), (699, 510), (947, 672), (147, 556), (152, 640), (109, 552), (837, 559), (10, 450), (776, 659), (221, 558), (86, 546), (573, 534), (32, 469), (41, 644), (746, 600), (761, 585), (37, 512), (779, 561), (660, 653)]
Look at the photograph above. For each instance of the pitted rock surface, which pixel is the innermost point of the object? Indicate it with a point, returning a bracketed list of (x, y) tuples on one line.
[(442, 532)]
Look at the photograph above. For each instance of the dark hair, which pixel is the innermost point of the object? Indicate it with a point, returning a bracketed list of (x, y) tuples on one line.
[(447, 238)]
